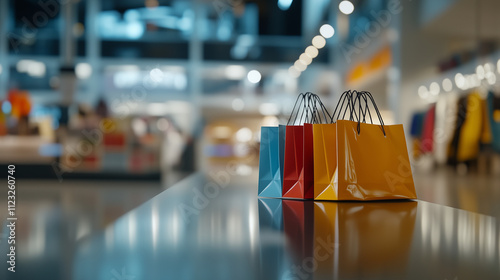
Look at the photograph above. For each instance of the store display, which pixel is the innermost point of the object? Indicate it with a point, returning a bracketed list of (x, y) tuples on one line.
[(369, 161), (461, 129)]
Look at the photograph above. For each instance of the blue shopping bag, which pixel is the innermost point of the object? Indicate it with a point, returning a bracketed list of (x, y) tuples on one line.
[(272, 142), (281, 139)]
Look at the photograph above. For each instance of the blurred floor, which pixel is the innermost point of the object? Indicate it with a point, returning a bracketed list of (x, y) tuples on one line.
[(472, 192)]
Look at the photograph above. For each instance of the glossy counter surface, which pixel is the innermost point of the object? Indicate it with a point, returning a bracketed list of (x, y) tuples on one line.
[(219, 229)]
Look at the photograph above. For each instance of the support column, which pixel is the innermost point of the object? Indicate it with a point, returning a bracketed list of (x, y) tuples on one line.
[(67, 43), (4, 49), (394, 73), (93, 50), (194, 73)]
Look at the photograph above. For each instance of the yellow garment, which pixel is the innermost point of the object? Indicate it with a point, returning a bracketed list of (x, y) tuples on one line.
[(470, 134), (486, 136)]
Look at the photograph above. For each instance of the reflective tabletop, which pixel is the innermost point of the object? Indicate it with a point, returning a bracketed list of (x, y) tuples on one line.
[(209, 227)]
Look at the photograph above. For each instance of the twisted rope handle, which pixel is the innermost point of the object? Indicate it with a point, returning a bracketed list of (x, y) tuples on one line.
[(367, 96), (320, 114), (347, 99), (301, 97), (304, 107)]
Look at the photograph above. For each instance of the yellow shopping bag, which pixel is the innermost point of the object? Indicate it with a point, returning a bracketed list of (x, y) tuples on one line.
[(325, 150), (325, 160), (372, 162)]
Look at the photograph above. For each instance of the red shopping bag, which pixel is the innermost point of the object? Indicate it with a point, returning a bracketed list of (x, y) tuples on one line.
[(298, 175)]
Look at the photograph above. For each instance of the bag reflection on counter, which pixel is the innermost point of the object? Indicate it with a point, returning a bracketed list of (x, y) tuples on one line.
[(272, 254), (334, 239), (364, 239), (298, 227)]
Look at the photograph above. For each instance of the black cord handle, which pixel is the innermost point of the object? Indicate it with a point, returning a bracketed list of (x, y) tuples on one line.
[(367, 96), (301, 98), (304, 108), (350, 102), (320, 112)]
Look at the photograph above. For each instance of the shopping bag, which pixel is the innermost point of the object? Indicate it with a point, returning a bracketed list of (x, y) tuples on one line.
[(281, 139), (362, 240), (372, 160), (293, 160), (325, 160), (293, 175), (325, 152), (298, 177), (270, 168)]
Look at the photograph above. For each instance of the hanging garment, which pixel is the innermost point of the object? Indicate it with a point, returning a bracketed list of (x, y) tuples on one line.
[(444, 126), (486, 136), (470, 134), (494, 116), (416, 133), (460, 120), (417, 122), (428, 131)]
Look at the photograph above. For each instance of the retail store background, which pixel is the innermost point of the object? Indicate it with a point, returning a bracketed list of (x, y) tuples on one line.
[(104, 104)]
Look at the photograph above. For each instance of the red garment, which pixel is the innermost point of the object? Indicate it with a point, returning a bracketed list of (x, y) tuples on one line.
[(427, 143)]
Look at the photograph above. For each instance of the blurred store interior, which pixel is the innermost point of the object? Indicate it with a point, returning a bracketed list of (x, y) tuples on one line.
[(105, 104)]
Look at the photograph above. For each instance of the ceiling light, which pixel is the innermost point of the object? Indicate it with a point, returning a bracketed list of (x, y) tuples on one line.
[(254, 76), (238, 104), (312, 52), (491, 78), (293, 72), (460, 80), (480, 72), (326, 31), (346, 7), (83, 71), (422, 92), (447, 85), (318, 41), (156, 75), (235, 72), (284, 4), (269, 109), (244, 134), (299, 65), (434, 89), (304, 58)]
